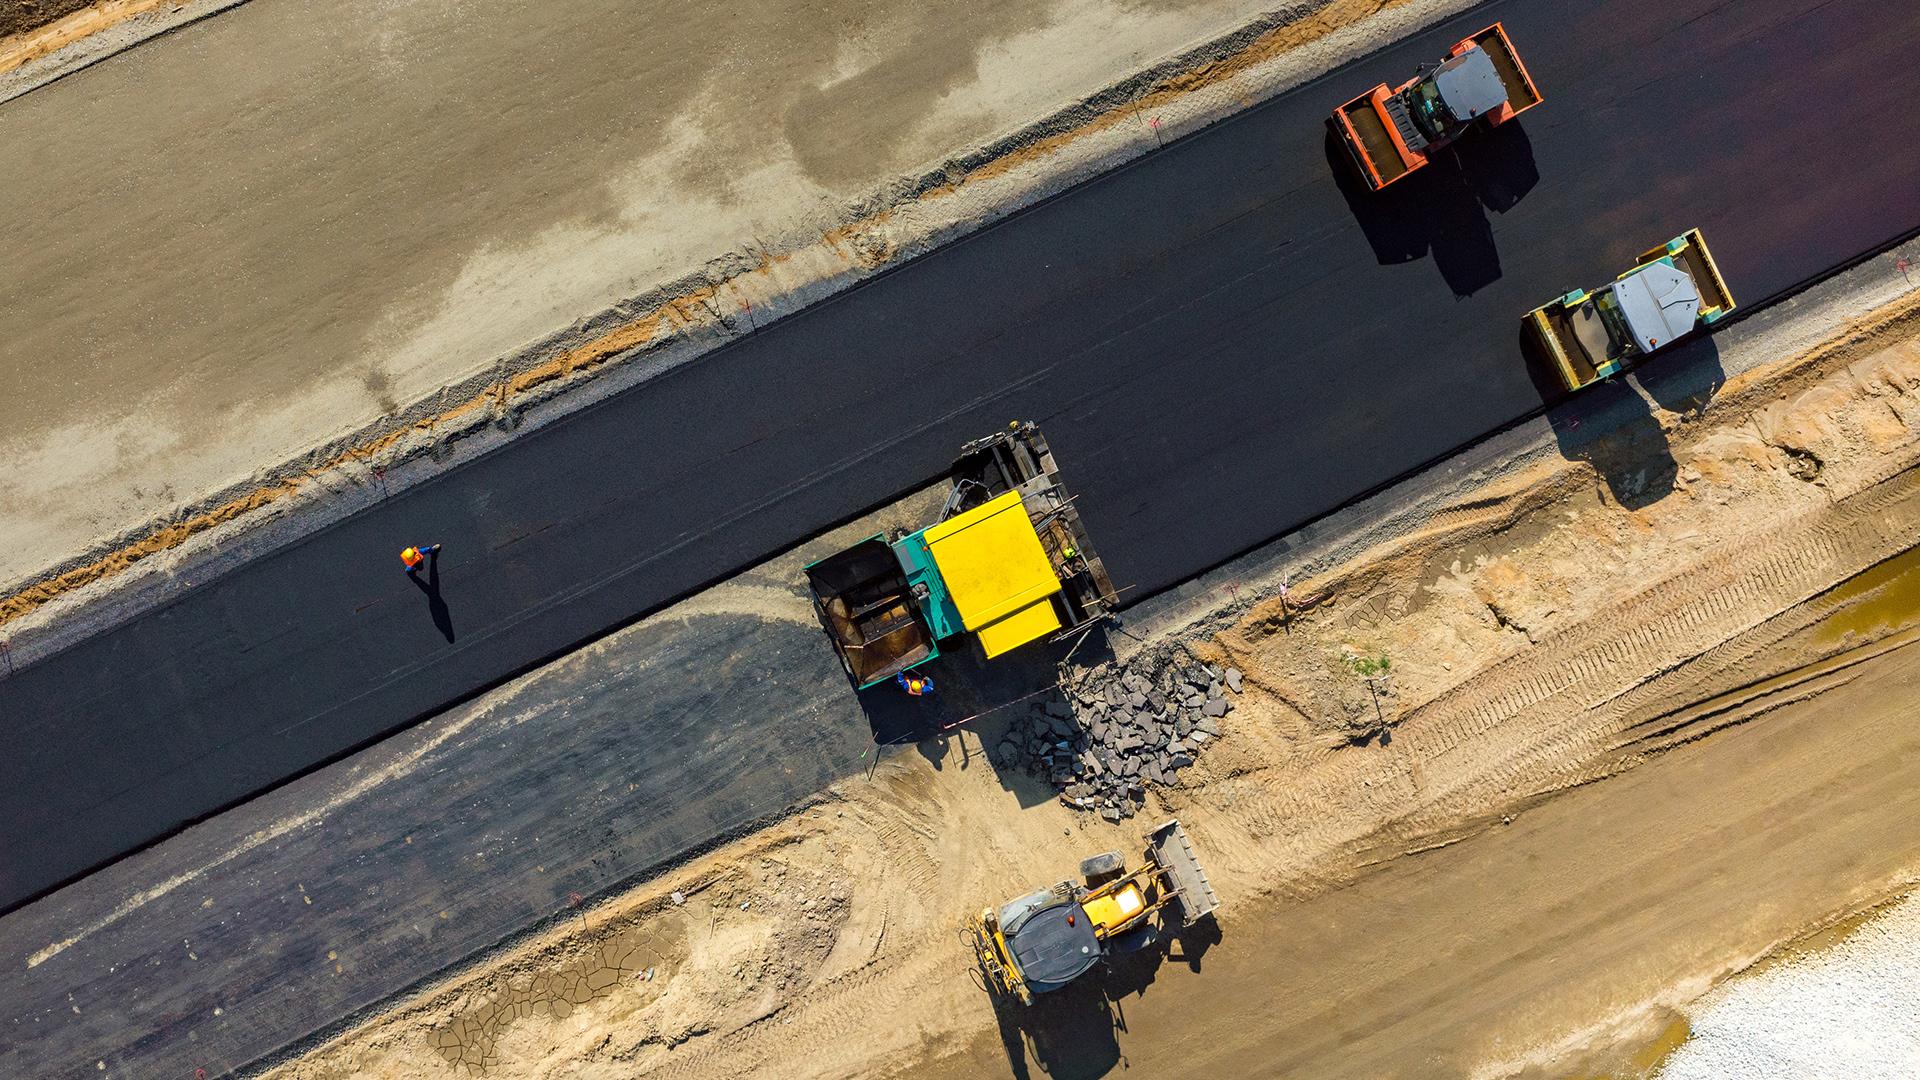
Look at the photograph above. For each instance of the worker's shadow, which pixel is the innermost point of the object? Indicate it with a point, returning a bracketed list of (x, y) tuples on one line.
[(1611, 427), (436, 604), (1442, 209)]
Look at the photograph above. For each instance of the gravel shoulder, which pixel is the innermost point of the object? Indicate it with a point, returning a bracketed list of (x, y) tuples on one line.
[(1841, 1003)]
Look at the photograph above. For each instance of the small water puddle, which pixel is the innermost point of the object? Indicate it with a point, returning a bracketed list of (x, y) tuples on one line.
[(1647, 1060), (1873, 602)]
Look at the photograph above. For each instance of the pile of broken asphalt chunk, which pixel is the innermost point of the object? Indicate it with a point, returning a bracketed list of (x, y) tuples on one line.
[(1123, 728)]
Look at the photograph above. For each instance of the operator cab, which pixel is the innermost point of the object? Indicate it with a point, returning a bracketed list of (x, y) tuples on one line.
[(1657, 304), (1051, 939), (1648, 307), (1461, 89)]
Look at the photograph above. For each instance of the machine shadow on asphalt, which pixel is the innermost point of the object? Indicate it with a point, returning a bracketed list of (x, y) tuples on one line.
[(984, 697), (1611, 426), (1074, 1033), (1442, 209)]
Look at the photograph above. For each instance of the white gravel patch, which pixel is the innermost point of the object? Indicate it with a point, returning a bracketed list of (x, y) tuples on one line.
[(1850, 1012)]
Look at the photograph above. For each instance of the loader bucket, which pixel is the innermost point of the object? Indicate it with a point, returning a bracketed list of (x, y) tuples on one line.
[(1180, 870)]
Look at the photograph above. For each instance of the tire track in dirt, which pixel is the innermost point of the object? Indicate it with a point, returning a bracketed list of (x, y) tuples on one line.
[(1553, 717), (1549, 715), (806, 1027), (1674, 728), (1859, 533)]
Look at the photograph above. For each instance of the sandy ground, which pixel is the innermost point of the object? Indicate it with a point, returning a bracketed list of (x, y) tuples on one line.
[(1647, 721), (1548, 947), (272, 228), (87, 34)]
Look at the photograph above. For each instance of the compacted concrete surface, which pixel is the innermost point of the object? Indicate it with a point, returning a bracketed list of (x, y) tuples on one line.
[(1224, 340), (267, 229)]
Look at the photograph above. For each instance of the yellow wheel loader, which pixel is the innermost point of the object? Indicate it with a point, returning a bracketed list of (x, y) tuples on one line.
[(1046, 939)]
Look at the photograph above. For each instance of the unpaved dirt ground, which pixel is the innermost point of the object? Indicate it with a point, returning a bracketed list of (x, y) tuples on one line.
[(19, 16), (1624, 751), (292, 224), (1557, 946)]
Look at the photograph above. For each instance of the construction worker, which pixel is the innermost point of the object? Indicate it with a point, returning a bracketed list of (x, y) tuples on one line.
[(416, 557), (915, 685)]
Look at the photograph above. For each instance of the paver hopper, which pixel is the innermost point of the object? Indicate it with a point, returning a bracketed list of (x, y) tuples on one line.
[(1008, 562)]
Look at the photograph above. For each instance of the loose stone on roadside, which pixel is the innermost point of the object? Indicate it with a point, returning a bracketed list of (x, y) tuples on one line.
[(1128, 727)]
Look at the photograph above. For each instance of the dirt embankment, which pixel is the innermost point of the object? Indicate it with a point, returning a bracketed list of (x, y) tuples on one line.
[(32, 30), (1616, 752), (19, 16)]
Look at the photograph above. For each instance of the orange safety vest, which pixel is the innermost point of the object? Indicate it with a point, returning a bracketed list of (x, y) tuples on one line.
[(412, 557)]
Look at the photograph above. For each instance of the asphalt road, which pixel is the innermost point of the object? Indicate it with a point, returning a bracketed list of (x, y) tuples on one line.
[(254, 234), (210, 950), (1222, 339), (433, 845), (247, 933)]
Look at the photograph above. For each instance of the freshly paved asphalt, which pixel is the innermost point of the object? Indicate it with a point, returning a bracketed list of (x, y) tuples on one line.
[(1210, 336), (209, 950), (249, 932)]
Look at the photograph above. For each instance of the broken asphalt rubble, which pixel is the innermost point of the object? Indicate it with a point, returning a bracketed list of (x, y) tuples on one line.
[(1123, 728)]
